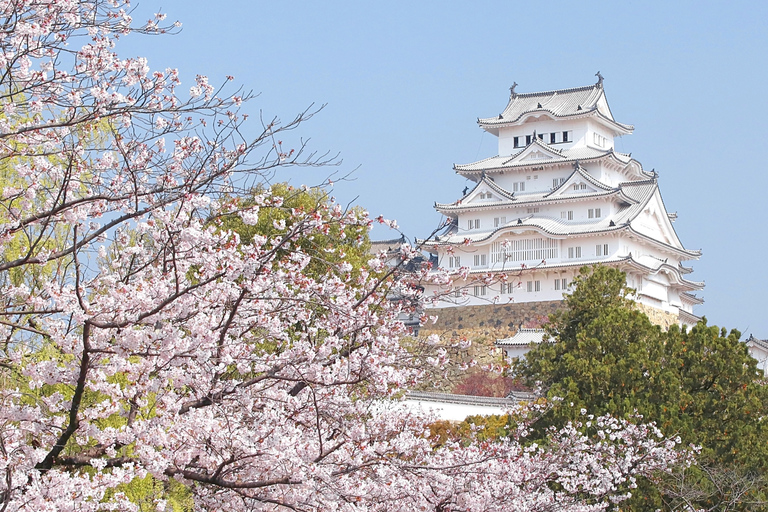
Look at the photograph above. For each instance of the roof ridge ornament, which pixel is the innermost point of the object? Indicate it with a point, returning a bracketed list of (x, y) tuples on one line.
[(599, 79), (576, 165), (512, 92)]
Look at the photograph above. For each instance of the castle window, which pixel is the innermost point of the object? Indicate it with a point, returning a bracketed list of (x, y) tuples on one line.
[(561, 284), (541, 136), (474, 223), (574, 252), (525, 249), (481, 260), (529, 286), (565, 136), (583, 186), (599, 140), (454, 262), (567, 215), (527, 139), (499, 221), (557, 284), (480, 290), (518, 186), (510, 287), (601, 250), (517, 142), (552, 138), (594, 213), (533, 210)]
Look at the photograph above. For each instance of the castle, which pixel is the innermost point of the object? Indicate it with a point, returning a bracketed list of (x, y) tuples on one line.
[(556, 197)]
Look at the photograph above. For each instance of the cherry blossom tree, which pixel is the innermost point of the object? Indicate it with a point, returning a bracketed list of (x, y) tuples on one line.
[(155, 343)]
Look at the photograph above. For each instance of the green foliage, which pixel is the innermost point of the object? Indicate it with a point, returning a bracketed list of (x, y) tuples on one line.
[(700, 384), (485, 428), (349, 243), (148, 492)]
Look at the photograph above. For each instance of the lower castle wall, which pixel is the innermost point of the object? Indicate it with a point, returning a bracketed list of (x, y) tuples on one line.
[(489, 321), (483, 325), (663, 319)]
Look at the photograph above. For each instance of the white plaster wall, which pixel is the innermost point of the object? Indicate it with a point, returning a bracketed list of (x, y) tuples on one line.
[(453, 412), (761, 356), (516, 351), (542, 125), (495, 295), (594, 127)]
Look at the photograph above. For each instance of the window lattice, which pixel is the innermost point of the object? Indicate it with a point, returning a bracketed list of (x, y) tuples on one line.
[(526, 249)]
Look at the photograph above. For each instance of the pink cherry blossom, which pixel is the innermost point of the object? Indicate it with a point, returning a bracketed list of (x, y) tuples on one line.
[(142, 338)]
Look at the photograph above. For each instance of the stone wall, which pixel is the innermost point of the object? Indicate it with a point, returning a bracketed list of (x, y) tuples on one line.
[(483, 325), (658, 317), (489, 321)]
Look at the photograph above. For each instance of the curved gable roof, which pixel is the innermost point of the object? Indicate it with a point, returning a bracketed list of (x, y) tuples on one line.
[(559, 103)]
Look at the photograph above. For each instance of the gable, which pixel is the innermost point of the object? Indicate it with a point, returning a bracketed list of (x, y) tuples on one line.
[(578, 183), (654, 222), (482, 194), (536, 151)]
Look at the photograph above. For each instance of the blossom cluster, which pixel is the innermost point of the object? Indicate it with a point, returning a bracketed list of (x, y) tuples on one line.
[(143, 339)]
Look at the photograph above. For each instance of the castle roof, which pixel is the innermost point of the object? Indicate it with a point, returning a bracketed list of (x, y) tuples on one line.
[(550, 154), (556, 195), (636, 195), (562, 103), (645, 265), (523, 337)]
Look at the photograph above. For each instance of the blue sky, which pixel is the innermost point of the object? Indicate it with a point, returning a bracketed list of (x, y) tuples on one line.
[(404, 82)]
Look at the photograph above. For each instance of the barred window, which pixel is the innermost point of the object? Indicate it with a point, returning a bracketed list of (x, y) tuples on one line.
[(526, 249)]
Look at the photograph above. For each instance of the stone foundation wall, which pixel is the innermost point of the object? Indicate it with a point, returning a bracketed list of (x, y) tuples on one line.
[(483, 325), (489, 321), (658, 317)]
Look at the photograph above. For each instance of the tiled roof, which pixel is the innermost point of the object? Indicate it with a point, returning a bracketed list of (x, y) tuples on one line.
[(580, 172), (560, 103), (569, 155), (760, 343), (528, 198), (521, 199), (640, 192), (523, 337), (692, 299), (680, 281), (622, 261), (688, 318)]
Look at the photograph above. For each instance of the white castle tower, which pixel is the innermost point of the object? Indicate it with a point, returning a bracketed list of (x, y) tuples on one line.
[(557, 197)]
